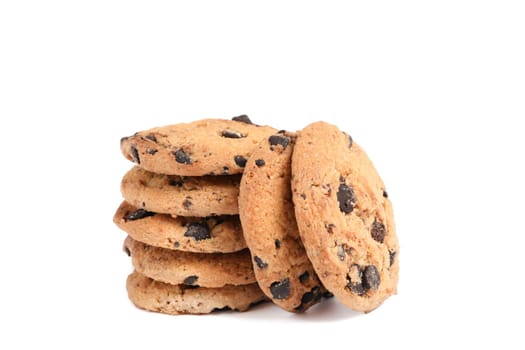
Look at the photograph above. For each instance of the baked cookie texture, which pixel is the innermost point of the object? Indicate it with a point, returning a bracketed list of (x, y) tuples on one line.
[(215, 234), (156, 296), (204, 147), (191, 269), (281, 266), (344, 216), (180, 195)]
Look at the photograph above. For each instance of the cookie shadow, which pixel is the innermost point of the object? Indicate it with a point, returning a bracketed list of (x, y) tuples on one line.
[(327, 311)]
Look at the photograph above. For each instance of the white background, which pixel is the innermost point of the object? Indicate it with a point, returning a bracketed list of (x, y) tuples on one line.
[(434, 91)]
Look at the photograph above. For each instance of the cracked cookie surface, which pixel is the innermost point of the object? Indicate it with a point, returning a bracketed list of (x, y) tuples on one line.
[(345, 218), (281, 266), (204, 147)]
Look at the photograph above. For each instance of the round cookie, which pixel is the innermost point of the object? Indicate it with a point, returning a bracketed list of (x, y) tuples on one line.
[(344, 216), (165, 298), (281, 266), (179, 195), (216, 234), (204, 147), (191, 269)]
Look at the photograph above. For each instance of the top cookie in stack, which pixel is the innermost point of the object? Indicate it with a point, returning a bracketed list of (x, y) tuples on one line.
[(182, 218)]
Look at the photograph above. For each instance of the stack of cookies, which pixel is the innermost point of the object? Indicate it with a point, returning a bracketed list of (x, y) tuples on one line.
[(315, 217), (180, 212)]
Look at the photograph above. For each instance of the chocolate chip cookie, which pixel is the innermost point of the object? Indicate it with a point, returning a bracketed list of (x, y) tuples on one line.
[(344, 217), (180, 195), (281, 266), (165, 298), (191, 269), (216, 234), (204, 147)]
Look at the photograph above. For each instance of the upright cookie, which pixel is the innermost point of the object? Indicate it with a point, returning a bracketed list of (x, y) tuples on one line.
[(281, 266), (165, 298), (204, 147), (179, 195), (344, 217), (191, 269), (216, 234)]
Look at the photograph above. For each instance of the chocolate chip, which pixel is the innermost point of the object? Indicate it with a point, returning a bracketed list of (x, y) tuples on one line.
[(304, 277), (243, 119), (187, 203), (329, 228), (281, 131), (127, 251), (240, 161), (346, 198), (151, 137), (385, 194), (279, 140), (371, 278), (151, 151), (341, 254), (261, 264), (260, 162), (176, 245), (176, 182), (302, 195), (225, 170), (280, 289), (355, 280), (277, 244), (124, 139), (392, 254), (313, 295), (182, 157), (199, 231), (138, 214), (378, 231), (135, 154), (190, 280), (350, 141), (232, 134), (327, 295), (226, 308)]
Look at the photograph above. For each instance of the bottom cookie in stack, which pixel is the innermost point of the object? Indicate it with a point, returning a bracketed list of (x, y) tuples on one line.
[(156, 296)]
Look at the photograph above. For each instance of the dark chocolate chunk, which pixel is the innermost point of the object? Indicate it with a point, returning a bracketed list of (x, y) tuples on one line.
[(190, 280), (217, 309), (126, 250), (197, 230), (378, 231), (225, 170), (280, 289), (243, 119), (138, 214), (151, 137), (304, 277), (313, 295), (329, 228), (176, 245), (176, 182), (232, 134), (135, 154), (261, 264), (346, 198), (281, 131), (279, 140), (182, 157), (277, 244), (355, 280), (350, 141), (302, 195), (260, 162), (187, 203), (385, 194), (341, 254), (151, 151), (371, 278), (124, 139), (356, 288), (392, 254), (240, 161), (327, 295)]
